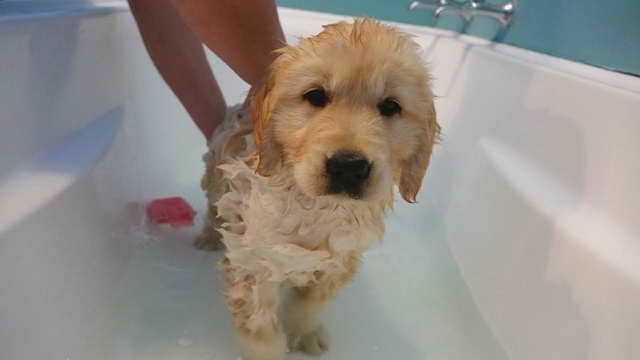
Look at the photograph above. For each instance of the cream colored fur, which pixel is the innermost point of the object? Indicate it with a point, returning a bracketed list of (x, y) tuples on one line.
[(268, 200)]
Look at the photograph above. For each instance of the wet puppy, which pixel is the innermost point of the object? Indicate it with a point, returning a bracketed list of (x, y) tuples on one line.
[(300, 192)]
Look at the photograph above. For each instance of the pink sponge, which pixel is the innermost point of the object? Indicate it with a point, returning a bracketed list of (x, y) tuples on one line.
[(175, 211)]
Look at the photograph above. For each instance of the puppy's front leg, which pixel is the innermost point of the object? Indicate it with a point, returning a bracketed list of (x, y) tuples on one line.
[(254, 307), (304, 330)]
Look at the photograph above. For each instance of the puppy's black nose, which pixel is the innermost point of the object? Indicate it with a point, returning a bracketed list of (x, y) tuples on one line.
[(347, 172)]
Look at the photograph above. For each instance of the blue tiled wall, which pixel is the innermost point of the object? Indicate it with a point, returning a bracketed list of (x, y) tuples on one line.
[(604, 33)]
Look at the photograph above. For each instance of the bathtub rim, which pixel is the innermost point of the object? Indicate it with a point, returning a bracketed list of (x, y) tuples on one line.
[(312, 19)]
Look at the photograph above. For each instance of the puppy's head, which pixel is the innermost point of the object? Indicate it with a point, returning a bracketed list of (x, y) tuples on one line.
[(349, 112)]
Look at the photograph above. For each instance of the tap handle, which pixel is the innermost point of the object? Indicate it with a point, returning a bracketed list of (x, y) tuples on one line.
[(426, 4)]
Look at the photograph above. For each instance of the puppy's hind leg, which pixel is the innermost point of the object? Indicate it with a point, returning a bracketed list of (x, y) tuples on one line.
[(214, 186), (304, 330), (210, 239)]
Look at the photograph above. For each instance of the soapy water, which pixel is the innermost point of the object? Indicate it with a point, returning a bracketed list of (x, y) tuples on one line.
[(407, 301)]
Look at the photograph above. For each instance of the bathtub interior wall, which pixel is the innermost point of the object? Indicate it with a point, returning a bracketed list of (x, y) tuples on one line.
[(58, 267)]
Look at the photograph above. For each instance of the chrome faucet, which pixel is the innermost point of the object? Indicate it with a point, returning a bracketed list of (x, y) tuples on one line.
[(469, 9)]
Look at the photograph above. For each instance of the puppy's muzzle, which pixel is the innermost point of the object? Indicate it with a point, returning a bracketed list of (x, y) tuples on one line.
[(348, 173)]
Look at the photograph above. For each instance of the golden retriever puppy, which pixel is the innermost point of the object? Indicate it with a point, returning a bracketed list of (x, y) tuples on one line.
[(299, 193)]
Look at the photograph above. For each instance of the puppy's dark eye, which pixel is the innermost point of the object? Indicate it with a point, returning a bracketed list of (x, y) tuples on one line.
[(316, 97), (389, 107)]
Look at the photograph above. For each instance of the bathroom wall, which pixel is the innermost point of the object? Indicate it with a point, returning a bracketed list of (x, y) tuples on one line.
[(597, 32)]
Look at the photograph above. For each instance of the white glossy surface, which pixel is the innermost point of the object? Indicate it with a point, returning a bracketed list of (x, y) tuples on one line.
[(524, 244)]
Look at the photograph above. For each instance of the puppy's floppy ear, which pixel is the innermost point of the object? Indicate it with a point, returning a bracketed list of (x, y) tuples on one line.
[(262, 105), (415, 167)]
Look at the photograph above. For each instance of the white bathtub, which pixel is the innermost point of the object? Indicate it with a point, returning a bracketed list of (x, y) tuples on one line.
[(524, 245)]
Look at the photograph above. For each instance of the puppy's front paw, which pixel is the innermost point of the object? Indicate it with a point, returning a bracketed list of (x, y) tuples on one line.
[(270, 348), (314, 342)]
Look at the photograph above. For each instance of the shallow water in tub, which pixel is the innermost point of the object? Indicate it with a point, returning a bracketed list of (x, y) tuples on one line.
[(170, 305)]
